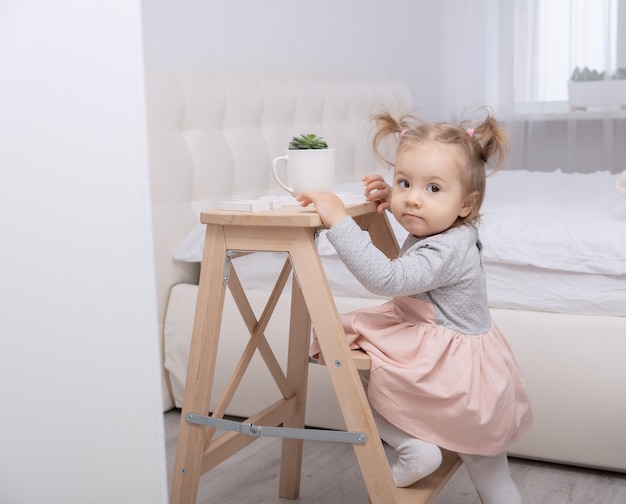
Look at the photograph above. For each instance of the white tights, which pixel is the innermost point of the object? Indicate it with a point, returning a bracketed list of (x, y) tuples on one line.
[(492, 479), (417, 459)]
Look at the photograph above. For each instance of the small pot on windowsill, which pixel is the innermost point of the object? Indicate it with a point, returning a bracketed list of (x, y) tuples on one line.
[(605, 94)]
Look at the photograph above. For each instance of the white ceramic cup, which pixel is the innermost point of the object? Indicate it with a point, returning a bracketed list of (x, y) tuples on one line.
[(307, 170)]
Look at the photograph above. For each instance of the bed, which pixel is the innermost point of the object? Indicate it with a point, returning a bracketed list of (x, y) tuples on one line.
[(553, 250)]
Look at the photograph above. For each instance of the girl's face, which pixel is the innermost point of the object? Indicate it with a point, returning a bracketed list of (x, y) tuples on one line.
[(427, 193)]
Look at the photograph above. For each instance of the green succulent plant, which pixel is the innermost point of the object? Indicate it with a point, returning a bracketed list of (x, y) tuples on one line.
[(585, 74), (308, 141)]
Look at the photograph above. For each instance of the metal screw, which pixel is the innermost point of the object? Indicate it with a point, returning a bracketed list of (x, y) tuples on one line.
[(183, 471), (337, 363)]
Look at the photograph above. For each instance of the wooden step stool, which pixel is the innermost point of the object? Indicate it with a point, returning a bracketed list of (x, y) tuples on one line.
[(292, 230)]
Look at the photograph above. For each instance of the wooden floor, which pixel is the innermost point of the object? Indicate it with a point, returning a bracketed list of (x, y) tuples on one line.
[(331, 475)]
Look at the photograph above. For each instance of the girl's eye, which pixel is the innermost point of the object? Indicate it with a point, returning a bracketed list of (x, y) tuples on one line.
[(404, 184), (433, 188)]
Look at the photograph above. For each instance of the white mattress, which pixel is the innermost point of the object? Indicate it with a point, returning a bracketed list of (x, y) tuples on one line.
[(524, 287), (551, 242)]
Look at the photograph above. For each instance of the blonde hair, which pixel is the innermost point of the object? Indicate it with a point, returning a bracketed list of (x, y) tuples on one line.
[(481, 143)]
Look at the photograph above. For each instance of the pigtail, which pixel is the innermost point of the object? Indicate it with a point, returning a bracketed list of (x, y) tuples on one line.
[(487, 145), (389, 130), (384, 126), (492, 142)]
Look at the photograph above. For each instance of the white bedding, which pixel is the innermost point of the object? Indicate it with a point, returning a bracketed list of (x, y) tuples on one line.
[(551, 242), (555, 242), (551, 220)]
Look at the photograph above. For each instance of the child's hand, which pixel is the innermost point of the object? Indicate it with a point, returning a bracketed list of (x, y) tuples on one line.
[(327, 204), (376, 189)]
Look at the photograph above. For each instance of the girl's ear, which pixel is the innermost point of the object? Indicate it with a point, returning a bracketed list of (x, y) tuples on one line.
[(468, 204)]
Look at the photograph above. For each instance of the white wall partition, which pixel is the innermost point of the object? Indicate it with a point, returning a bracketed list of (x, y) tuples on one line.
[(79, 369)]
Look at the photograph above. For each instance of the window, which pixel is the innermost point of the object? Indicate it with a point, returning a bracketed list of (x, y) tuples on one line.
[(554, 37)]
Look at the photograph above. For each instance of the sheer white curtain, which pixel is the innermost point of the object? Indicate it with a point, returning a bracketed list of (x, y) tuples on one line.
[(476, 50), (551, 38), (518, 56)]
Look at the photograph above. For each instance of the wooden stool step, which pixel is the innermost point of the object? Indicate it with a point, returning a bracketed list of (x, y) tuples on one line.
[(360, 359), (425, 490)]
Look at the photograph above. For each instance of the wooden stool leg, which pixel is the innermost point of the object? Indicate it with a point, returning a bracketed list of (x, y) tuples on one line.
[(345, 379), (297, 375), (201, 368)]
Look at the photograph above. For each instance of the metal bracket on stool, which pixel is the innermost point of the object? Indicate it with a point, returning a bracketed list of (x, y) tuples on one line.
[(281, 432), (227, 260)]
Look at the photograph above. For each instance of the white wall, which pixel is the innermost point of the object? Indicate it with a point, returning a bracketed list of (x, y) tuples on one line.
[(402, 39), (79, 383)]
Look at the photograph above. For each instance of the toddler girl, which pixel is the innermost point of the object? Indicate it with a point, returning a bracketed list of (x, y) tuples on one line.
[(442, 374)]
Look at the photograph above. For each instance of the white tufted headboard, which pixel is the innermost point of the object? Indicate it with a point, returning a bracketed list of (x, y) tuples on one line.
[(212, 136)]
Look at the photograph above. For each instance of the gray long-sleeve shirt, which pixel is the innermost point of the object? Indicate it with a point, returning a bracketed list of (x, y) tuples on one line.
[(444, 270)]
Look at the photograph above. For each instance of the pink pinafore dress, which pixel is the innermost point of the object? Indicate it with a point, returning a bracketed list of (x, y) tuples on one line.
[(461, 392)]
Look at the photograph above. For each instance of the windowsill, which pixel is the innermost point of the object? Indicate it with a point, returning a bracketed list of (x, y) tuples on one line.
[(561, 111)]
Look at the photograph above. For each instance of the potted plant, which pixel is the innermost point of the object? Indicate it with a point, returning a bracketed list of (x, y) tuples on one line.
[(590, 88), (308, 141), (309, 165)]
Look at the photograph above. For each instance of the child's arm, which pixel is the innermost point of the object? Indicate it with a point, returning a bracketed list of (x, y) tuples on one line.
[(423, 268), (417, 272)]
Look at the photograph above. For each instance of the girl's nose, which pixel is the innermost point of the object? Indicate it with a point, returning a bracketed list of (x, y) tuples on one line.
[(413, 199)]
